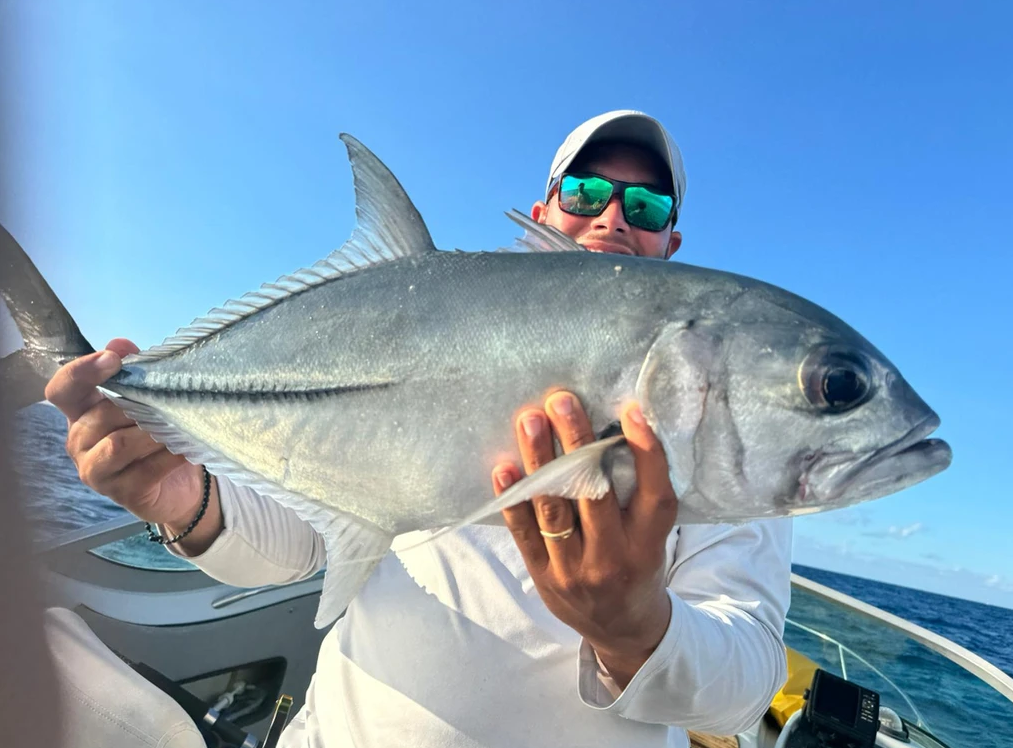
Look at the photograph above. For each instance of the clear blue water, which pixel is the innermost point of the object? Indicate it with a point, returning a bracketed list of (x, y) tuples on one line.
[(956, 706)]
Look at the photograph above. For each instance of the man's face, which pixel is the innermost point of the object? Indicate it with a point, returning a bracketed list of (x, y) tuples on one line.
[(609, 232)]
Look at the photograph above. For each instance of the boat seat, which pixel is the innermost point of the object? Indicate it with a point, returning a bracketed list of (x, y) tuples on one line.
[(105, 702)]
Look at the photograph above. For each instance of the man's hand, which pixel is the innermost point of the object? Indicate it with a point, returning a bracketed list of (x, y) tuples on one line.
[(606, 580), (116, 459)]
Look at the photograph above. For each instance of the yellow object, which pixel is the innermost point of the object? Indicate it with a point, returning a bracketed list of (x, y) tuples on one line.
[(789, 699)]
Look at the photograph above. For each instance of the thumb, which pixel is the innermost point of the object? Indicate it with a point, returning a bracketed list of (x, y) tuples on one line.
[(72, 388)]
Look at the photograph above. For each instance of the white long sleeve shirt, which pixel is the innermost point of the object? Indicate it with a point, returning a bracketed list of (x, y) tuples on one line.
[(449, 644)]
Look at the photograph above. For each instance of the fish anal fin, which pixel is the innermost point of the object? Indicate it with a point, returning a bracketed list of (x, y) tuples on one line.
[(354, 549)]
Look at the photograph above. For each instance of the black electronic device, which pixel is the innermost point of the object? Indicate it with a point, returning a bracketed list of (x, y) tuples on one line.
[(837, 714)]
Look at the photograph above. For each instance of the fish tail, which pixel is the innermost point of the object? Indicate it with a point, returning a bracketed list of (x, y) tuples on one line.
[(51, 336)]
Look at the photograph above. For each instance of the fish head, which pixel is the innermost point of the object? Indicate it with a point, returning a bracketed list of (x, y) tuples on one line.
[(773, 415), (865, 430)]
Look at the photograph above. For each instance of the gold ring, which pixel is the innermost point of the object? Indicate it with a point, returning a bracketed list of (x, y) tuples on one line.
[(558, 535)]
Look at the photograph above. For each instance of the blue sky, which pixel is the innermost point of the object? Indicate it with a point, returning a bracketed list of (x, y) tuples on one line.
[(859, 154)]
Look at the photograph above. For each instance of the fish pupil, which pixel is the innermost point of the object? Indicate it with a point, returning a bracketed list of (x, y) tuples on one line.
[(842, 387)]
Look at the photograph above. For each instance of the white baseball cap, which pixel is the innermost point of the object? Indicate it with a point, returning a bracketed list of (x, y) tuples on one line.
[(628, 126)]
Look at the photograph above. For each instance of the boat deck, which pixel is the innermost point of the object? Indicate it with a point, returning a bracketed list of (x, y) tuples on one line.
[(700, 740)]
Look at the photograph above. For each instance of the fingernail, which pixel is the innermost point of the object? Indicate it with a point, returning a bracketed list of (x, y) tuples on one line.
[(563, 405), (504, 479), (532, 426), (636, 415), (107, 360)]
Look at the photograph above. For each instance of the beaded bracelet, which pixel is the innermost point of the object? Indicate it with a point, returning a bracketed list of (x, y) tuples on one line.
[(161, 540)]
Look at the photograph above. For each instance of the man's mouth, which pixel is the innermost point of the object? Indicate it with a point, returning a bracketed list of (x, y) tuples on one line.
[(597, 245)]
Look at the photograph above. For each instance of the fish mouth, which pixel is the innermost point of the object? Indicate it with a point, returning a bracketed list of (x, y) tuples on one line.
[(839, 479)]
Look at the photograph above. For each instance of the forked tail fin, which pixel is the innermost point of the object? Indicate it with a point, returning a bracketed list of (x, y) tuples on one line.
[(50, 334)]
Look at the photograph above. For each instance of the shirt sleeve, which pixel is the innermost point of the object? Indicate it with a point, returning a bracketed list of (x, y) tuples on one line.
[(262, 542), (722, 658)]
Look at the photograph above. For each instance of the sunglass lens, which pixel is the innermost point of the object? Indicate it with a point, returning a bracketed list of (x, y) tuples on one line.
[(584, 196), (647, 209)]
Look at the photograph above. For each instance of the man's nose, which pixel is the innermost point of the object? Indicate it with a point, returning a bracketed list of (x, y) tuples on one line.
[(612, 218)]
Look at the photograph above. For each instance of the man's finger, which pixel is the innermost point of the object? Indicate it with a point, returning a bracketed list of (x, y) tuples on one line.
[(653, 507), (142, 477), (94, 425), (72, 388), (520, 519), (122, 347), (555, 514), (599, 518), (120, 450)]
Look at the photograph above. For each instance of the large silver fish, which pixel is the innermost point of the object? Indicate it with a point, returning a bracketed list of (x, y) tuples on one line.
[(374, 391)]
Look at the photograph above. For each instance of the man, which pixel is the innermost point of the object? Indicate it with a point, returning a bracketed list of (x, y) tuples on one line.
[(580, 624)]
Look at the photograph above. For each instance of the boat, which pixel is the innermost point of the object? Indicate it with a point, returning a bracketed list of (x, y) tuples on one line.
[(228, 658)]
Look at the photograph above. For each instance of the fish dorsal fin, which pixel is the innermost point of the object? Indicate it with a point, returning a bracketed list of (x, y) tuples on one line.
[(539, 238), (388, 227)]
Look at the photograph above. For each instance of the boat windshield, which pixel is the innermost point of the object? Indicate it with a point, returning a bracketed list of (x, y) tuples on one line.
[(927, 680), (137, 552)]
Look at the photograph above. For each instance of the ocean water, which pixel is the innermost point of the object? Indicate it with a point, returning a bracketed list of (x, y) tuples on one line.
[(918, 683)]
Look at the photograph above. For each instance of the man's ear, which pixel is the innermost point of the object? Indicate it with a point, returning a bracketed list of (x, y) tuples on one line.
[(539, 211), (673, 244)]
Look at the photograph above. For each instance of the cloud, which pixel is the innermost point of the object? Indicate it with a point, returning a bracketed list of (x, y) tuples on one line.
[(900, 533), (932, 557), (908, 531), (999, 582)]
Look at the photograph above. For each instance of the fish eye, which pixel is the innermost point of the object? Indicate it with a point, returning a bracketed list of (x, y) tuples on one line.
[(834, 380)]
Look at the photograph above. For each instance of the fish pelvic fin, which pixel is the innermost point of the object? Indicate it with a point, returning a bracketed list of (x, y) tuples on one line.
[(51, 336), (538, 237), (388, 227)]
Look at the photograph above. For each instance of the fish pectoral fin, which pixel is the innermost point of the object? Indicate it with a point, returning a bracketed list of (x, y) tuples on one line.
[(584, 473)]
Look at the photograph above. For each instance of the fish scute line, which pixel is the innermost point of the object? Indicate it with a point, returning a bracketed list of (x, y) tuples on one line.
[(316, 393)]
